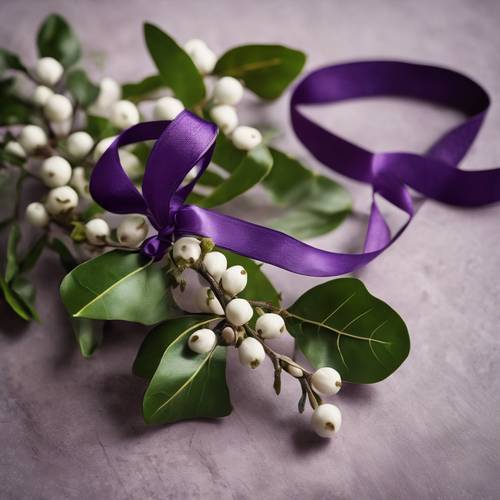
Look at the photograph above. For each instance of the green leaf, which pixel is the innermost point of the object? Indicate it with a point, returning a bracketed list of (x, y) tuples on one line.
[(67, 259), (88, 333), (210, 179), (26, 291), (315, 204), (9, 60), (186, 385), (340, 324), (175, 67), (139, 90), (81, 88), (16, 301), (119, 285), (255, 165), (157, 340), (56, 39), (33, 254), (12, 266), (226, 155), (258, 287), (99, 127), (267, 70)]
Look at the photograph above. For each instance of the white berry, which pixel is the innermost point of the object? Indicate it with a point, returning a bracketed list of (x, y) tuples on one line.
[(109, 92), (167, 108), (270, 325), (61, 200), (202, 341), (58, 108), (130, 163), (37, 215), (239, 312), (14, 148), (326, 420), (32, 137), (124, 114), (228, 335), (79, 145), (246, 138), (102, 146), (132, 230), (326, 381), (251, 352), (80, 183), (215, 263), (55, 171), (225, 117), (187, 249), (194, 44), (41, 95), (49, 70), (204, 59), (234, 280), (97, 231), (228, 90)]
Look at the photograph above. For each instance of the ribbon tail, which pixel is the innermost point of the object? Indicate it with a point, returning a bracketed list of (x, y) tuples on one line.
[(270, 246)]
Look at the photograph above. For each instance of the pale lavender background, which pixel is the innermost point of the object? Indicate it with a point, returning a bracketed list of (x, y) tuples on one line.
[(71, 429)]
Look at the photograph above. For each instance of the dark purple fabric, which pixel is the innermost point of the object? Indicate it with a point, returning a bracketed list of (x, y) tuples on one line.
[(188, 141)]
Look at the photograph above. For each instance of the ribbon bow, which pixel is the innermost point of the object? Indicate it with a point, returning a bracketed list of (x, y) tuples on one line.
[(189, 141)]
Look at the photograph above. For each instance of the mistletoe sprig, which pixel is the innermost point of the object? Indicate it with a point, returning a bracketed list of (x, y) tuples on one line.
[(343, 331), (57, 123)]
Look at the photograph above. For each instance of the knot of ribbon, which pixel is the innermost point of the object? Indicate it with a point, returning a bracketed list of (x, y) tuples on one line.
[(189, 141)]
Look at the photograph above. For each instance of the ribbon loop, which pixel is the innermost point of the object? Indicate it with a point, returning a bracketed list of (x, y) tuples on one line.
[(188, 141)]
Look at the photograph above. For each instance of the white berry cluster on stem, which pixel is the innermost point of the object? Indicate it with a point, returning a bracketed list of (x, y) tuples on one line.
[(60, 155), (234, 328)]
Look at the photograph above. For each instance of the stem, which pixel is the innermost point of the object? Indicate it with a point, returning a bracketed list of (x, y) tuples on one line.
[(279, 361)]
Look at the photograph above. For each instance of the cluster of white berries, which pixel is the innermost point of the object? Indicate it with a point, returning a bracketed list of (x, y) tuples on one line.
[(131, 231), (226, 94), (326, 419)]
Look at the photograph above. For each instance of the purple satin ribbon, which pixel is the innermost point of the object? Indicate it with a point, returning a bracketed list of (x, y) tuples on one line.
[(189, 141)]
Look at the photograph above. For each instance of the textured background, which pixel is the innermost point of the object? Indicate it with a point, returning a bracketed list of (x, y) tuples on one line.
[(71, 429)]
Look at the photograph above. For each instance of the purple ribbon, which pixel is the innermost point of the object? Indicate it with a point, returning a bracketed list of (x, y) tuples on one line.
[(189, 141)]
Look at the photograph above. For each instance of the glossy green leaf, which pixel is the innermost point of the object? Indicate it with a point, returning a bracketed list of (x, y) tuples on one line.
[(340, 324), (142, 89), (267, 70), (315, 204), (88, 333), (157, 340), (119, 285), (18, 295), (255, 165), (56, 39), (81, 88), (186, 385), (12, 265), (259, 287), (226, 155), (175, 67), (210, 179), (9, 60)]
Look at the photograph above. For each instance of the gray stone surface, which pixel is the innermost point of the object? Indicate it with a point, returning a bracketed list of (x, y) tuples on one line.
[(71, 429)]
